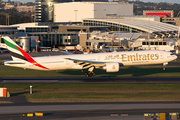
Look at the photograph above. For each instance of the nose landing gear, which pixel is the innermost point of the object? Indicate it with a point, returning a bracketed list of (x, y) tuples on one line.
[(164, 64)]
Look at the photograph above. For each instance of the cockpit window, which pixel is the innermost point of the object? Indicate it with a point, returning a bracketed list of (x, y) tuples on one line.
[(171, 54)]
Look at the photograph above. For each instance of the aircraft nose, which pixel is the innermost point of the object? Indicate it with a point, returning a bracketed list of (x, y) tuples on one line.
[(173, 56), (176, 56)]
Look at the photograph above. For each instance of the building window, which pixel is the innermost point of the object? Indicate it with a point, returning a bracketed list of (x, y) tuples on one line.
[(152, 43), (164, 43), (38, 29), (2, 40), (88, 43), (69, 40), (144, 43), (74, 40)]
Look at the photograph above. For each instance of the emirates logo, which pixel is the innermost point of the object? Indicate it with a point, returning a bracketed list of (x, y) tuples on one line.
[(113, 67)]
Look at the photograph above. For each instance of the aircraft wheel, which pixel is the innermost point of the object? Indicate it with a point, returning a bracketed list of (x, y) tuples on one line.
[(93, 73), (86, 75), (90, 74)]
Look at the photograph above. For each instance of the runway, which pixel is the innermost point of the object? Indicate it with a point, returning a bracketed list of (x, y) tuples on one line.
[(87, 111), (90, 80), (86, 107)]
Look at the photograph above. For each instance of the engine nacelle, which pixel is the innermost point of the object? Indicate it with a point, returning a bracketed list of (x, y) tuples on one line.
[(112, 67)]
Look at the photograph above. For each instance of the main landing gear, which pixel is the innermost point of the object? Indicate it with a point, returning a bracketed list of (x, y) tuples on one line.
[(90, 72)]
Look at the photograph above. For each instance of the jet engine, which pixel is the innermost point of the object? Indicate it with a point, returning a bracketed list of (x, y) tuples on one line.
[(111, 67)]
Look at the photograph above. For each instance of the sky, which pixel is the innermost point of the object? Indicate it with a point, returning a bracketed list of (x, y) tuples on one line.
[(168, 1)]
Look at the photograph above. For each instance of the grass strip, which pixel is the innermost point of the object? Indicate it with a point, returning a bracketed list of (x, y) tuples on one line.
[(97, 92)]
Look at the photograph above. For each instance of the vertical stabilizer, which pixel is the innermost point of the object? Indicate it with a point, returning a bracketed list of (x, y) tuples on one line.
[(14, 49), (19, 54)]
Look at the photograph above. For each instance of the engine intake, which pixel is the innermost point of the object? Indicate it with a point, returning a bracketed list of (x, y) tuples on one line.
[(111, 67)]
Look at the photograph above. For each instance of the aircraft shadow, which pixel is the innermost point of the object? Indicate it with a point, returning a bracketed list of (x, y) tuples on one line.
[(22, 93), (132, 71)]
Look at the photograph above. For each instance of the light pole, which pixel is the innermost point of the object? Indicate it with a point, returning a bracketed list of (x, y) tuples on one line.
[(119, 31), (37, 41), (30, 89), (94, 13), (113, 43), (75, 15), (149, 28), (105, 13), (33, 18), (55, 18), (7, 19)]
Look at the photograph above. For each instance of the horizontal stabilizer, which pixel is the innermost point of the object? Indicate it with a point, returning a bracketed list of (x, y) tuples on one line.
[(13, 62)]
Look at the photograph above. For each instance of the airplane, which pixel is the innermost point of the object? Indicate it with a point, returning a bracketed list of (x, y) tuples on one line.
[(110, 62)]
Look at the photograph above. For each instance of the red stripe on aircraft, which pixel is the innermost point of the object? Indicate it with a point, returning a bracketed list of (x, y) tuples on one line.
[(29, 59)]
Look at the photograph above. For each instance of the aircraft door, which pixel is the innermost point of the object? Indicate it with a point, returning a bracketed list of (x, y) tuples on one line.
[(161, 56), (99, 58), (67, 62)]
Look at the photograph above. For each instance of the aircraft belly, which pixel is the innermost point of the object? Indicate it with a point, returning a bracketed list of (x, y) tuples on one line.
[(146, 62), (59, 66)]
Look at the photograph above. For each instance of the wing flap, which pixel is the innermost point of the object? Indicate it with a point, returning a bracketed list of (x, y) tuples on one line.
[(87, 64)]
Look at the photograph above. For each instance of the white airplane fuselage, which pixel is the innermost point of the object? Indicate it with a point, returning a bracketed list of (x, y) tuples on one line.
[(130, 58)]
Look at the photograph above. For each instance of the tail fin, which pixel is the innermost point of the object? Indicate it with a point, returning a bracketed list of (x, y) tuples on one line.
[(19, 54), (16, 52)]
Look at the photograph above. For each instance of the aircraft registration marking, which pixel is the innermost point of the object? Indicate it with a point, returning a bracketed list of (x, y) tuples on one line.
[(112, 56)]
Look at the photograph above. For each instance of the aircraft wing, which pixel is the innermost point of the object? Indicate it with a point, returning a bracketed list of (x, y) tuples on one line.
[(87, 64)]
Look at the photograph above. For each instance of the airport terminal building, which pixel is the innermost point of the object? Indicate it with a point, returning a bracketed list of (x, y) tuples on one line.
[(76, 11), (72, 35), (44, 9), (156, 29), (73, 26)]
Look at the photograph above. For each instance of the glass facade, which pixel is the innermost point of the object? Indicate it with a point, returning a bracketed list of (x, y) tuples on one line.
[(51, 39), (37, 29), (113, 26), (9, 31), (154, 43)]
